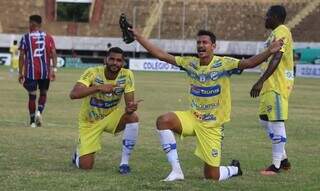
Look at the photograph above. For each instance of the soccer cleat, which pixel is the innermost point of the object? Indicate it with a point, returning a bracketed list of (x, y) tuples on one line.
[(74, 158), (173, 176), (127, 35), (236, 163), (285, 164), (124, 169), (38, 119), (270, 171), (33, 125)]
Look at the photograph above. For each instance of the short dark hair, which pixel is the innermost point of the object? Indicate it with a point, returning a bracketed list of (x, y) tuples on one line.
[(36, 18), (207, 33), (279, 11), (115, 50)]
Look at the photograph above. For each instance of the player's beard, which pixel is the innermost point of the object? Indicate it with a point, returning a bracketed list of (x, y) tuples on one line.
[(113, 69)]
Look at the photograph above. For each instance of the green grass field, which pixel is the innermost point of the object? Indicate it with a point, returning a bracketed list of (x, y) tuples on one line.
[(39, 159)]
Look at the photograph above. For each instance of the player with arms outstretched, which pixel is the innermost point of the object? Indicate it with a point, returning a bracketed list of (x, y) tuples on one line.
[(37, 61), (102, 88), (210, 104), (274, 88)]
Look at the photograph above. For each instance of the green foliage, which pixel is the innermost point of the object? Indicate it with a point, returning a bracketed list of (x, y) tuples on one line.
[(76, 12), (39, 159)]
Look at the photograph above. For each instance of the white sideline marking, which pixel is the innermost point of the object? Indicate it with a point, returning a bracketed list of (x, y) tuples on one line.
[(45, 124)]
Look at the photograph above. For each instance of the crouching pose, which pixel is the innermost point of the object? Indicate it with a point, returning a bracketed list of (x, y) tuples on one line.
[(102, 88)]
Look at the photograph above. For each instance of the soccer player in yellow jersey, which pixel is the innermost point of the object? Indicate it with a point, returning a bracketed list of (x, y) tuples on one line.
[(274, 88), (210, 104), (14, 50), (102, 88)]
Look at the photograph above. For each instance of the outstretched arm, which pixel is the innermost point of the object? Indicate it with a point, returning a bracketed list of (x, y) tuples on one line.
[(259, 58), (154, 50), (255, 91), (80, 90)]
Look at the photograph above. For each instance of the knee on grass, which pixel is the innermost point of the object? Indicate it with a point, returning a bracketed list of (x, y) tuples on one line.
[(212, 176), (86, 162)]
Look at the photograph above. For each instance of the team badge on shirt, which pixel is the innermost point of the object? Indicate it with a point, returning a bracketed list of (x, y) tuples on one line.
[(202, 77), (214, 152)]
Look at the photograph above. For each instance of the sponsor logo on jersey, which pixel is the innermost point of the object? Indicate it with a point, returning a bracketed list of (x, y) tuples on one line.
[(95, 116), (217, 64), (199, 106), (95, 102), (204, 116), (204, 77), (205, 91), (118, 90), (289, 74), (121, 81), (98, 80)]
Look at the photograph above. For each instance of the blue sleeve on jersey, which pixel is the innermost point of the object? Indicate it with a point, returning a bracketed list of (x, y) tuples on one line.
[(235, 71)]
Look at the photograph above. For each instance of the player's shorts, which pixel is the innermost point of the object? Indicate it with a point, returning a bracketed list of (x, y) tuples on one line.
[(90, 133), (209, 138), (31, 85), (15, 63), (274, 105)]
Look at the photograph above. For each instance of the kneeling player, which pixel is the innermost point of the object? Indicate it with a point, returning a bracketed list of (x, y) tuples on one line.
[(209, 101), (102, 88)]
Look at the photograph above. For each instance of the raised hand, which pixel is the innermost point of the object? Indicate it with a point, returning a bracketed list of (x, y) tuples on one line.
[(276, 45), (132, 106)]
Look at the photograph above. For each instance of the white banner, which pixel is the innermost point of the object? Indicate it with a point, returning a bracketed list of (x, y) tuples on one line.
[(5, 59), (308, 70), (151, 65)]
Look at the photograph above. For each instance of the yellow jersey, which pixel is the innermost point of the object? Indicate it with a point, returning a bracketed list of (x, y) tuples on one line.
[(281, 81), (209, 97), (99, 105), (14, 50)]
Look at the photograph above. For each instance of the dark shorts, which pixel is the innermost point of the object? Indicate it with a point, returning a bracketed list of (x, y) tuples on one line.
[(31, 85)]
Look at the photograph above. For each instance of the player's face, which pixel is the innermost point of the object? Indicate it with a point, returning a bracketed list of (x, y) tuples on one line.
[(33, 25), (114, 62), (269, 20), (205, 46)]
